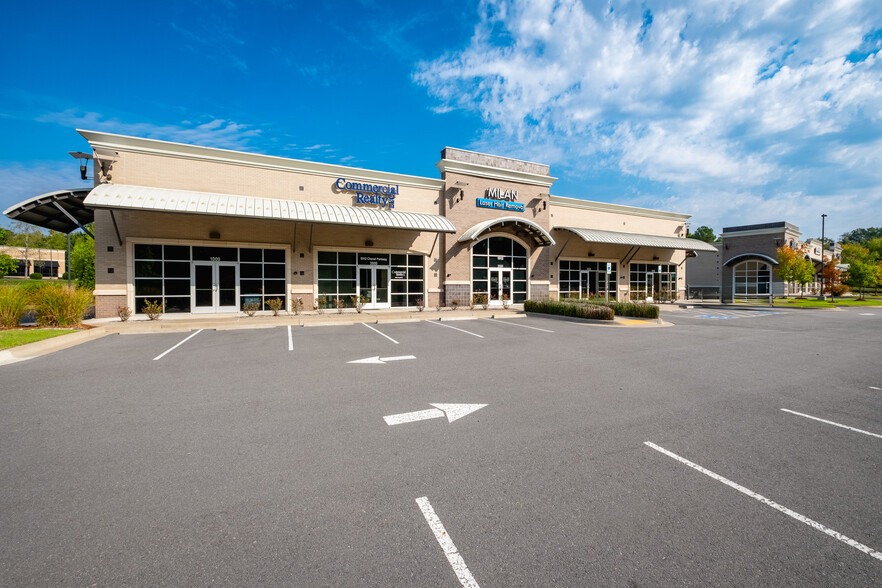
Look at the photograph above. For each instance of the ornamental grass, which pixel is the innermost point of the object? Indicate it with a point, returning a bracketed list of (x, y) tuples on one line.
[(13, 303), (61, 307)]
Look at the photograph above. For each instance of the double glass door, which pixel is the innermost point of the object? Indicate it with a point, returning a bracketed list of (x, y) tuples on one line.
[(500, 285), (373, 286), (593, 283), (215, 286)]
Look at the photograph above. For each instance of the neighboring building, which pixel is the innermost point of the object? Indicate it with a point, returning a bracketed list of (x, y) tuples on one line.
[(744, 264), (210, 230), (48, 262)]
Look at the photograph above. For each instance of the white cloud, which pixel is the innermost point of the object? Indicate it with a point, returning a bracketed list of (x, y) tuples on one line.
[(749, 98), (222, 133)]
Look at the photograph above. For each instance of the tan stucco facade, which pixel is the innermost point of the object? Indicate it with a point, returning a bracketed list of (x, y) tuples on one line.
[(439, 265)]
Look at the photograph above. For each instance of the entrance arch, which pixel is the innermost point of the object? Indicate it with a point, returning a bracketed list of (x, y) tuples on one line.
[(499, 270)]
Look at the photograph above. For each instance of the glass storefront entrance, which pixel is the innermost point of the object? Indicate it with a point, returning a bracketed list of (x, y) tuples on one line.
[(197, 278), (373, 285), (499, 270), (215, 284), (384, 280)]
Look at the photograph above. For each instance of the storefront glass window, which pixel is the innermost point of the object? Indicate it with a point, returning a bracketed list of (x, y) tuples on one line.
[(753, 278), (499, 270), (648, 282), (164, 273), (587, 279)]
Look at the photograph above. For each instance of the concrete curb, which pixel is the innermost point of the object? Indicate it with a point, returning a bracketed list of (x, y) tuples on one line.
[(39, 348)]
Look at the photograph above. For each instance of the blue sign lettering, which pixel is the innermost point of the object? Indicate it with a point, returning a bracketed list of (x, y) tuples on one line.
[(499, 204), (384, 196)]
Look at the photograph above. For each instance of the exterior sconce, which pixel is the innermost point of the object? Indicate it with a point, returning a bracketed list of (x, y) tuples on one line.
[(591, 254), (214, 235), (655, 258), (368, 243)]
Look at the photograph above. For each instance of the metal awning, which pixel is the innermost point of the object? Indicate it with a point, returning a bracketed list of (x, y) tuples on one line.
[(539, 235), (121, 196), (639, 240), (62, 210)]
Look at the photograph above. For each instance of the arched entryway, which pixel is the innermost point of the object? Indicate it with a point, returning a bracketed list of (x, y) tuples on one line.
[(499, 270)]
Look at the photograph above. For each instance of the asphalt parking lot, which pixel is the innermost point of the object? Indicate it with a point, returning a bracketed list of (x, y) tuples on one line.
[(740, 451)]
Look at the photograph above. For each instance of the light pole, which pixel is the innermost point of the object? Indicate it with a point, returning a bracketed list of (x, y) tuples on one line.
[(823, 218)]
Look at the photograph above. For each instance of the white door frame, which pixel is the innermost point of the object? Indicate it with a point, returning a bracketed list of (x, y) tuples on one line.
[(216, 306), (372, 293)]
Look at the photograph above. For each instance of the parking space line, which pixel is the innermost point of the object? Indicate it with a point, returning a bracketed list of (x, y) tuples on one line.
[(808, 416), (803, 519), (161, 355), (290, 339), (517, 325), (440, 324), (383, 334), (456, 561)]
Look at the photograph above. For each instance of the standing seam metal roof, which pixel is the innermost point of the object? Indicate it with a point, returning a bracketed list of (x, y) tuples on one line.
[(635, 239), (164, 199)]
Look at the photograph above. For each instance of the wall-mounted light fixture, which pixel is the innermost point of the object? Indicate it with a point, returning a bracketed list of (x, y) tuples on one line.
[(214, 235), (655, 258), (590, 254), (368, 243)]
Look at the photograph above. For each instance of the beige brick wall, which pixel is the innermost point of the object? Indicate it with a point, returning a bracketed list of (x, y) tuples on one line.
[(159, 171), (460, 208)]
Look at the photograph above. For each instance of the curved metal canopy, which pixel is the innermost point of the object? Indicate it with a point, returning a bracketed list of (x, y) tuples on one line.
[(62, 210), (639, 240), (539, 235), (749, 256), (121, 196)]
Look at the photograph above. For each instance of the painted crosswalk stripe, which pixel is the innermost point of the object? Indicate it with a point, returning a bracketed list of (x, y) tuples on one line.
[(803, 519)]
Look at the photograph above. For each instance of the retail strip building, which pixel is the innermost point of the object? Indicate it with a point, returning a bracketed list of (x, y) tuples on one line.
[(211, 230)]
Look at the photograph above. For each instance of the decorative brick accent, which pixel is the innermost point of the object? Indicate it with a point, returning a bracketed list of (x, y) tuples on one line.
[(538, 291), (461, 292), (105, 306)]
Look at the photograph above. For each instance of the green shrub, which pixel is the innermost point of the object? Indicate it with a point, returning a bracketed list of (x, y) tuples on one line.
[(585, 311), (635, 309), (13, 304), (36, 276), (61, 307)]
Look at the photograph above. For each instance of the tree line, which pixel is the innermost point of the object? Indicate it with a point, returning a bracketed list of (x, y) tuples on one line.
[(23, 238)]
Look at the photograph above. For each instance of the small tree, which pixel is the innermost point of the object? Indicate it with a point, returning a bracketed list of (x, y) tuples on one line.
[(7, 265), (82, 262), (704, 233), (832, 277), (863, 269), (793, 265)]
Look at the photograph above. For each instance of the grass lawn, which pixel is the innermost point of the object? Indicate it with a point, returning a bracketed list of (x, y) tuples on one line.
[(15, 337), (815, 303)]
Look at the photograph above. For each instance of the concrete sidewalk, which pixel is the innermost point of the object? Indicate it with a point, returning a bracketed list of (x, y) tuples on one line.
[(170, 323)]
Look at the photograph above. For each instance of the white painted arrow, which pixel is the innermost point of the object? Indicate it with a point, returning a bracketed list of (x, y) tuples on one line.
[(451, 411), (378, 359)]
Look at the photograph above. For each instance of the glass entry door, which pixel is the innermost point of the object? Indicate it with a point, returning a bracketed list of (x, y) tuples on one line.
[(500, 285), (215, 286), (584, 283), (373, 285)]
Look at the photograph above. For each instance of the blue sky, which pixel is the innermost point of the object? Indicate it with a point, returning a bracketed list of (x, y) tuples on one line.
[(734, 112)]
